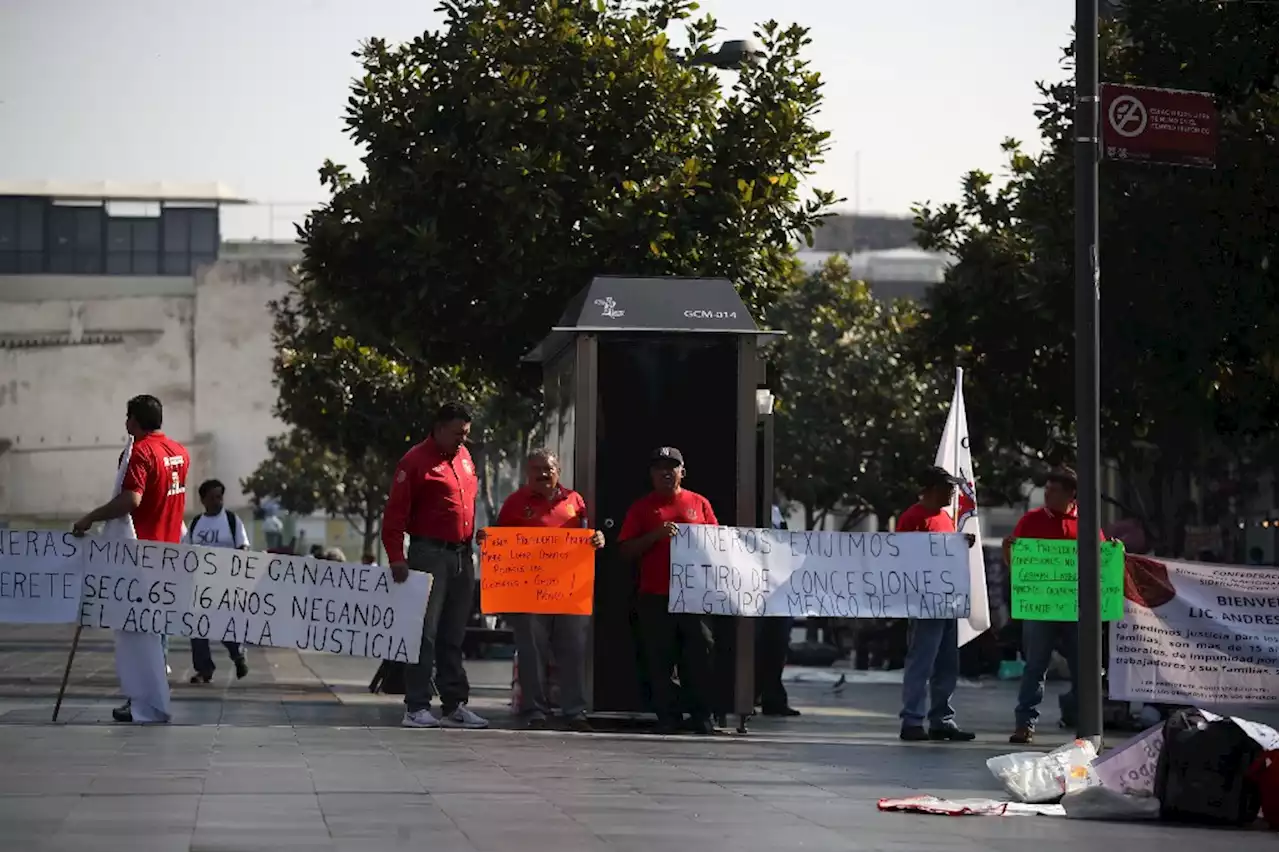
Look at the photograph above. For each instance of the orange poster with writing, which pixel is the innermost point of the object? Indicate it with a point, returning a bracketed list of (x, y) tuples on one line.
[(537, 569)]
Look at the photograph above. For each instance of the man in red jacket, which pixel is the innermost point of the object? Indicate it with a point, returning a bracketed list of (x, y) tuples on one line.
[(543, 502), (433, 501), (670, 639)]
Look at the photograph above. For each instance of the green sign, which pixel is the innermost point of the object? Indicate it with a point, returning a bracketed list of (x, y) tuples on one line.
[(1044, 580)]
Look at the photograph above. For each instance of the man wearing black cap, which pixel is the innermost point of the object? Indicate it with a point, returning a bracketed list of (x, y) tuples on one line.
[(933, 651), (670, 639)]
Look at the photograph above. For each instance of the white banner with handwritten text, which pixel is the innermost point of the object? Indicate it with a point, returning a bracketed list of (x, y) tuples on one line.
[(220, 594), (718, 570)]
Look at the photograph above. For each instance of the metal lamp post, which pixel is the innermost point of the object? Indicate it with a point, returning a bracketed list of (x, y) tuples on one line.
[(1089, 659)]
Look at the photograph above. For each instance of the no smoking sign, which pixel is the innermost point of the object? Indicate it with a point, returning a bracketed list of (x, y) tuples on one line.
[(1149, 125), (1127, 116)]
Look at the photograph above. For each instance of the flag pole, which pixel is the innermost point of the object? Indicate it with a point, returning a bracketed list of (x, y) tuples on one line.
[(955, 501)]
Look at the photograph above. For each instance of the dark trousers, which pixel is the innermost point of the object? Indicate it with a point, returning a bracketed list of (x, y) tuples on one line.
[(773, 641), (1039, 639), (541, 639), (453, 579), (202, 657), (681, 641)]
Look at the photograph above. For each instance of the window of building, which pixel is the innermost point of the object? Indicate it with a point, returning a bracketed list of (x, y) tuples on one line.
[(133, 245), (42, 235), (190, 238), (75, 239), (22, 226)]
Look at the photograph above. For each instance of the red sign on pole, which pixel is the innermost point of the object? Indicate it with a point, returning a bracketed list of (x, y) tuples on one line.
[(1147, 125)]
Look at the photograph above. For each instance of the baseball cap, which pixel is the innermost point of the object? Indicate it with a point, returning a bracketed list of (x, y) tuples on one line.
[(666, 455), (934, 476)]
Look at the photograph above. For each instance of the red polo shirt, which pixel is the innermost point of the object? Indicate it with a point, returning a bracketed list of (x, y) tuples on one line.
[(157, 473), (1043, 523), (652, 511), (433, 496), (528, 508), (919, 519)]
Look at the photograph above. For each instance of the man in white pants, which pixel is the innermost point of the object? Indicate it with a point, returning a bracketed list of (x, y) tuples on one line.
[(151, 492)]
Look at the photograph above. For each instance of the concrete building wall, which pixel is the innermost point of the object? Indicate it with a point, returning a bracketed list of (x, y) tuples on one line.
[(68, 368), (70, 362), (234, 393)]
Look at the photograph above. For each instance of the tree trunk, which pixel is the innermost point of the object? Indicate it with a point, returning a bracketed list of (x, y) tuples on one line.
[(372, 528), (486, 475)]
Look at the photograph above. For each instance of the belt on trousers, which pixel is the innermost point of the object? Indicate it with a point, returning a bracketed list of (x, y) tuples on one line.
[(451, 546)]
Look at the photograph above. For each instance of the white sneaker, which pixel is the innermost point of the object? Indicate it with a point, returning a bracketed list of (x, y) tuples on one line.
[(420, 719), (462, 717)]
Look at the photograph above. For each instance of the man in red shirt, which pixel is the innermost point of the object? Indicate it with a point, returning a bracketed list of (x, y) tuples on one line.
[(153, 494), (543, 502), (433, 501), (1057, 519), (670, 639), (933, 650)]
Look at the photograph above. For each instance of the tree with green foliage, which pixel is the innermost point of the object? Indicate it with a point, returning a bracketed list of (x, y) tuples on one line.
[(529, 145), (361, 406), (1188, 270), (305, 477), (856, 420)]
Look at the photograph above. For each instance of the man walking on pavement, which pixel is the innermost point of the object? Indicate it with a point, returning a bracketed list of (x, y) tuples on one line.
[(216, 527), (433, 501), (543, 502), (933, 650), (1056, 519), (152, 494)]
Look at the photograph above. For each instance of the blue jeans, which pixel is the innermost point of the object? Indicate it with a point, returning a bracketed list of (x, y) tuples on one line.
[(1039, 638), (932, 668)]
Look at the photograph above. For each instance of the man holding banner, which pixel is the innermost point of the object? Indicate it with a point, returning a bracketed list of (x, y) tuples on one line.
[(433, 501), (933, 652), (151, 492), (670, 639), (541, 638), (1055, 520)]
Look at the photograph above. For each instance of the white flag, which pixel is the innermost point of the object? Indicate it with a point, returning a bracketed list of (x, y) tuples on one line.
[(955, 458)]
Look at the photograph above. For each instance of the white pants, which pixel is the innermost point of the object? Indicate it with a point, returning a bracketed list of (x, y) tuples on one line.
[(140, 668)]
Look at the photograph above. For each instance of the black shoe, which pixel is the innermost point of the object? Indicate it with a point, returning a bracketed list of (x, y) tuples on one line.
[(950, 733), (199, 677), (784, 710), (580, 724), (667, 726), (536, 723), (1023, 736), (913, 734), (701, 727), (242, 668), (122, 714)]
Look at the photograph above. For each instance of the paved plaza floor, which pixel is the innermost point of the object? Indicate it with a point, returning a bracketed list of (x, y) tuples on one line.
[(299, 756)]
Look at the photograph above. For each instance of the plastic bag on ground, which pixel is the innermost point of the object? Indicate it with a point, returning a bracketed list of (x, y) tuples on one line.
[(1035, 777), (1103, 803)]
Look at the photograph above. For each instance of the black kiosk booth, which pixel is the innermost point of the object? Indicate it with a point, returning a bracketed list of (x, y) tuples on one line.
[(639, 363)]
